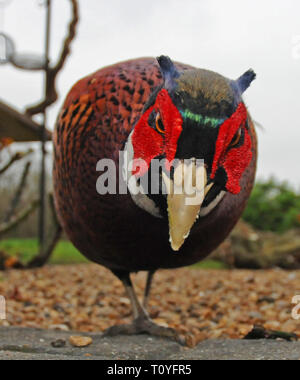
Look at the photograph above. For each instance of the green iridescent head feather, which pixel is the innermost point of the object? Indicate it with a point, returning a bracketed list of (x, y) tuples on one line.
[(203, 120)]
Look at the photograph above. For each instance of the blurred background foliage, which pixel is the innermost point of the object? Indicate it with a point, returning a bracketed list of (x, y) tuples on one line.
[(273, 206)]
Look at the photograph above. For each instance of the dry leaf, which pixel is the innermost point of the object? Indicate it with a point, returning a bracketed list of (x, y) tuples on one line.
[(80, 341)]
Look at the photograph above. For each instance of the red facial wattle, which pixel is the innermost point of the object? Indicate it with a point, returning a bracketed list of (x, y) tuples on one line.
[(148, 143), (236, 160)]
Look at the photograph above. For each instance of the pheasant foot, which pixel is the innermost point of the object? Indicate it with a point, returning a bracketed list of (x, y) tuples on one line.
[(144, 325)]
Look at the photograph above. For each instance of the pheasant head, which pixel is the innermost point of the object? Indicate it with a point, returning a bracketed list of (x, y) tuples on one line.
[(194, 131)]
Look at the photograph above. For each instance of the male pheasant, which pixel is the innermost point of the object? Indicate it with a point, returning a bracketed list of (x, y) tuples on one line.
[(155, 111)]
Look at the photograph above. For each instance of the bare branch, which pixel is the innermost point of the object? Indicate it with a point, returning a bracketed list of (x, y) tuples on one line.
[(16, 157), (67, 43), (51, 92), (42, 258), (6, 227), (18, 194)]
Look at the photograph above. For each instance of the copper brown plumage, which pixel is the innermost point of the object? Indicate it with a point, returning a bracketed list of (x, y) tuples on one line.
[(95, 123)]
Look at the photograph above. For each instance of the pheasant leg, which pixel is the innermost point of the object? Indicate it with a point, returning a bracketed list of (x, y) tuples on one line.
[(141, 324), (148, 288)]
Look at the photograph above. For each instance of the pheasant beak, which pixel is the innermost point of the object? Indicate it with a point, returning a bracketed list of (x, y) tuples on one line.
[(186, 194)]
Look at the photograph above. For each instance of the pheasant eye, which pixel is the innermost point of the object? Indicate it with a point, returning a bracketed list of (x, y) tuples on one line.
[(236, 139), (159, 124)]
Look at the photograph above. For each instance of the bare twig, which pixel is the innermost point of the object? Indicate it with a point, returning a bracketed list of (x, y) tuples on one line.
[(6, 227), (42, 258), (52, 72), (67, 43), (16, 157), (18, 195)]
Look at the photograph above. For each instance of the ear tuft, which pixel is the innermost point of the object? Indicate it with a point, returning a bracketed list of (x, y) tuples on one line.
[(244, 81), (167, 68)]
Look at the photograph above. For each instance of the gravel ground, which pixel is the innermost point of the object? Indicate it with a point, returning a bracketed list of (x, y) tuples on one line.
[(200, 304), (33, 344)]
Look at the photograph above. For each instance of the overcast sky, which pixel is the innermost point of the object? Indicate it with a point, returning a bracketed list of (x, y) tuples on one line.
[(225, 36)]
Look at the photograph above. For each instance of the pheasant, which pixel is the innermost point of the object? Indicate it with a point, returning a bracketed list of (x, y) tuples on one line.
[(152, 111)]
